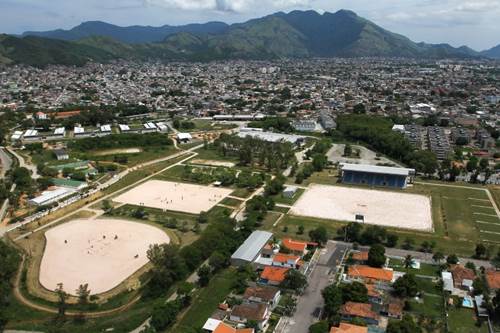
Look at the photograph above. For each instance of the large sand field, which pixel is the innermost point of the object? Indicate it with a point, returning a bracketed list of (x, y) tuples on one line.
[(181, 197), (392, 209), (101, 252)]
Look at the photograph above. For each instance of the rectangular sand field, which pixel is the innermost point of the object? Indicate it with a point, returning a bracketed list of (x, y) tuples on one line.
[(180, 197), (385, 208)]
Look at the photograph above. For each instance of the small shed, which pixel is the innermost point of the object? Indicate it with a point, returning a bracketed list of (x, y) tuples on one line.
[(184, 137), (290, 191)]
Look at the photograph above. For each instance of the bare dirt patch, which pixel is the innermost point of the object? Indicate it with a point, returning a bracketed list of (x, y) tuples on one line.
[(100, 252), (392, 209), (180, 197)]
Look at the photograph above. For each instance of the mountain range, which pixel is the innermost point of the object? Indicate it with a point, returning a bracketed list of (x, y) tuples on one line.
[(298, 34)]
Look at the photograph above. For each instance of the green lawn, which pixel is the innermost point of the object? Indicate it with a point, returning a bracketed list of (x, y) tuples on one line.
[(269, 220), (205, 302), (134, 158), (462, 320), (425, 269), (279, 198), (431, 307), (242, 193), (213, 154), (231, 202)]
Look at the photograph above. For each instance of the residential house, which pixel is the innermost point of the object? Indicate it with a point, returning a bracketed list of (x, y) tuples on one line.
[(493, 279), (286, 260), (462, 276), (263, 294), (364, 311), (369, 274), (360, 257), (217, 326), (257, 312), (394, 308), (349, 328), (374, 295), (298, 248), (273, 276)]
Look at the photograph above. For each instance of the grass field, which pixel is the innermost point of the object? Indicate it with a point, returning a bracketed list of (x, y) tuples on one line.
[(425, 269), (280, 199), (205, 302), (461, 320)]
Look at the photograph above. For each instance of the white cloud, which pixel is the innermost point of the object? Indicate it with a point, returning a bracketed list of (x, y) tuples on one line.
[(227, 5)]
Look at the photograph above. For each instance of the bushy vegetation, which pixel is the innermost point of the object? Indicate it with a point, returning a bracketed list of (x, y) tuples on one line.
[(255, 152), (121, 141), (377, 133), (9, 260)]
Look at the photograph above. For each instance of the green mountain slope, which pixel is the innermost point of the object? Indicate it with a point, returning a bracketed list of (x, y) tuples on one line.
[(38, 51), (298, 34)]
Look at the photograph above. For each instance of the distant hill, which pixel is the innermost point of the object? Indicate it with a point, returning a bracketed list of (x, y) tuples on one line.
[(37, 51), (133, 34), (494, 52), (298, 34)]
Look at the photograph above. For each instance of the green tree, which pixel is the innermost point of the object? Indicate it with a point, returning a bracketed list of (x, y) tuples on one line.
[(376, 255), (294, 280), (480, 251), (204, 275), (83, 293), (406, 286), (354, 292), (406, 325), (319, 235), (347, 150), (164, 315), (333, 299), (218, 261), (319, 327), (452, 259), (61, 300), (408, 261)]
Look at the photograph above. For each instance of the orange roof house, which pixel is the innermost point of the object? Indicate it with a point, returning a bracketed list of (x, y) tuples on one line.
[(368, 273), (294, 246), (224, 328), (359, 310), (493, 279), (274, 275), (360, 256), (349, 328), (461, 273)]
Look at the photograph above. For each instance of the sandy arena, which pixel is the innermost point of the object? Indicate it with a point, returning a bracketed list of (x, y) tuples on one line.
[(392, 209), (174, 196), (101, 252)]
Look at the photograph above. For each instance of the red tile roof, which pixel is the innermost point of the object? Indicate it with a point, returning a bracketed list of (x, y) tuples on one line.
[(360, 256), (225, 328), (370, 273), (275, 274), (294, 245), (349, 328), (283, 258), (362, 310), (461, 273), (493, 279)]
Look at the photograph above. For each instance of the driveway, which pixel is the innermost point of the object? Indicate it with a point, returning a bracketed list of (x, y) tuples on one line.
[(310, 304)]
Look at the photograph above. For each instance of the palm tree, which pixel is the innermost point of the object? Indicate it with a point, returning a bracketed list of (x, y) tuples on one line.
[(408, 262), (438, 256)]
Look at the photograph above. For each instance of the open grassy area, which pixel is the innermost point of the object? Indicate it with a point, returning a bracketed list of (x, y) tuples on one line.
[(462, 320), (425, 269), (213, 154), (430, 306), (140, 174), (205, 302), (134, 159), (241, 193), (231, 202), (280, 199)]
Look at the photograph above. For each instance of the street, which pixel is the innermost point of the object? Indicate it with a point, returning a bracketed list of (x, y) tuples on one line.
[(310, 304)]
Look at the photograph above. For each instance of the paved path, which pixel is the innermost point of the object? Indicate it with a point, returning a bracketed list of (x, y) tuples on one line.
[(425, 258), (310, 304), (24, 164), (6, 162)]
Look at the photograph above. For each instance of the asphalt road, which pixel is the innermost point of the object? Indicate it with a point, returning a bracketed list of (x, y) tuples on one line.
[(310, 304), (6, 162)]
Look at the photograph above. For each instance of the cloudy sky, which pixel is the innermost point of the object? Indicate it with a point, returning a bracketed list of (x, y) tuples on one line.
[(475, 23)]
